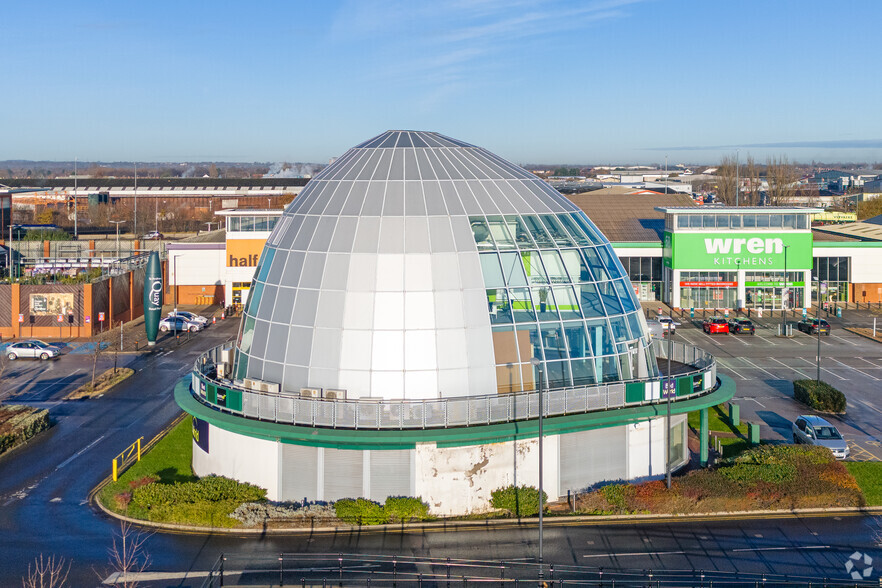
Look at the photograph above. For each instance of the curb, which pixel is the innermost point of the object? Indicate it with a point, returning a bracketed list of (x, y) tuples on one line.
[(851, 330)]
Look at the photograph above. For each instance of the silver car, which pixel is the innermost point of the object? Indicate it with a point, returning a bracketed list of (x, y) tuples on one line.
[(178, 323), (33, 349), (814, 430)]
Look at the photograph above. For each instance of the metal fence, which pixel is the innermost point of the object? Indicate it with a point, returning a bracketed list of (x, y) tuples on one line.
[(345, 569), (490, 409)]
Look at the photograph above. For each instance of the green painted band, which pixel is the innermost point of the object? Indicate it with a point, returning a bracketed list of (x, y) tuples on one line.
[(363, 439)]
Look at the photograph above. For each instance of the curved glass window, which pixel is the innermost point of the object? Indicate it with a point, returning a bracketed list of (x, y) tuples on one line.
[(556, 292)]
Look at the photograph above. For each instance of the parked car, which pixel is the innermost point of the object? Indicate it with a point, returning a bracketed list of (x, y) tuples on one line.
[(668, 322), (810, 326), (152, 235), (178, 323), (33, 349), (814, 430), (741, 325), (190, 316), (656, 329), (715, 324)]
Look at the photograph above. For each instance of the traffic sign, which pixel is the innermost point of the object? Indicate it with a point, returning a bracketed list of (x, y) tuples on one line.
[(88, 319), (101, 317), (21, 318), (60, 318)]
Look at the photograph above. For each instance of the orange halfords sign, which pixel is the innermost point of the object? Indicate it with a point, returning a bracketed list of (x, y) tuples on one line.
[(244, 252)]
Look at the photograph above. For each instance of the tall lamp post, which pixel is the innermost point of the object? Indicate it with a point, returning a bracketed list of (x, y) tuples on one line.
[(536, 363), (784, 292), (669, 389), (117, 223), (818, 313)]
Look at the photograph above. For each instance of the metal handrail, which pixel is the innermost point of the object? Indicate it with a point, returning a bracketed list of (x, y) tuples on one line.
[(448, 412)]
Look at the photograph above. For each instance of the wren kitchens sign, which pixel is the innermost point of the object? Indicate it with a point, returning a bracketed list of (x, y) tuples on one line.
[(732, 251)]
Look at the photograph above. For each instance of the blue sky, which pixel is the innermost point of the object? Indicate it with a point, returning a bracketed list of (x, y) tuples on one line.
[(534, 81)]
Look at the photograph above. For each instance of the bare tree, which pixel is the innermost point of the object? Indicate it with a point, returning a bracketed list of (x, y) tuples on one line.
[(128, 557), (46, 573), (781, 176), (753, 182), (726, 174)]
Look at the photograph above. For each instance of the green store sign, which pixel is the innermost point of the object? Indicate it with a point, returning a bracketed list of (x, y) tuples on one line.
[(735, 250)]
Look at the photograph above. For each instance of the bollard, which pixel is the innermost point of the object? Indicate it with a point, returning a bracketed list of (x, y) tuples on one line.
[(734, 414), (753, 433), (214, 320)]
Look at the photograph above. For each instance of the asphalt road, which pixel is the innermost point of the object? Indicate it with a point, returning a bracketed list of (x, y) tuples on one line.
[(43, 486)]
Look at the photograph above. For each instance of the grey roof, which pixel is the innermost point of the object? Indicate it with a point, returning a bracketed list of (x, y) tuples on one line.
[(444, 176), (630, 216)]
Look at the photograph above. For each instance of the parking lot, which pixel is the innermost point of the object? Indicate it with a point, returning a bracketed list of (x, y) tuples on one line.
[(764, 365)]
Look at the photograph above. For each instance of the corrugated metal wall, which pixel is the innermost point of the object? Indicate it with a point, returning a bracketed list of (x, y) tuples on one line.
[(588, 457)]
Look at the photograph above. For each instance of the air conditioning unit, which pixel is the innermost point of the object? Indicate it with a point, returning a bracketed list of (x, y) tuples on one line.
[(310, 392), (270, 387), (226, 356), (331, 394), (222, 370), (251, 384)]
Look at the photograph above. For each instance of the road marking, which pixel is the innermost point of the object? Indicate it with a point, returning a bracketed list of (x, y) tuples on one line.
[(794, 339), (761, 369), (869, 362), (788, 548), (754, 399), (853, 368), (842, 339), (612, 555), (814, 364), (39, 385), (791, 368), (766, 340), (79, 453), (737, 338)]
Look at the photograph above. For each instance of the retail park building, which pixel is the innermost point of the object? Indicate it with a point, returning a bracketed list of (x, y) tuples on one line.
[(407, 313)]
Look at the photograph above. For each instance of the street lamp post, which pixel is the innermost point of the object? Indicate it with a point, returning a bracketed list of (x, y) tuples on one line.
[(818, 313), (784, 292), (117, 223), (669, 389), (135, 194), (537, 363)]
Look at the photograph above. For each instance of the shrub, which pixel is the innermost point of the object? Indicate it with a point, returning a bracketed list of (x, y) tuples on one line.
[(750, 473), (360, 511), (819, 396), (207, 489), (403, 509), (616, 495), (521, 501)]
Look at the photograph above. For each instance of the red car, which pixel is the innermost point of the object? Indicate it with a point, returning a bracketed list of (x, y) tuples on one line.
[(715, 324)]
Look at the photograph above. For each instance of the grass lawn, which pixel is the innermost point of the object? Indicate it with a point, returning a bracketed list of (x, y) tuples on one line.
[(717, 420), (169, 460), (868, 475)]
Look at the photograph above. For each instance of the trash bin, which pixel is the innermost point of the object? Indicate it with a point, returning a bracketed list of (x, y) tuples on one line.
[(838, 312)]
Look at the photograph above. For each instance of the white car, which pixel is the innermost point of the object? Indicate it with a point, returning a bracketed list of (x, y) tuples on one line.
[(178, 323), (34, 349), (667, 322), (190, 316)]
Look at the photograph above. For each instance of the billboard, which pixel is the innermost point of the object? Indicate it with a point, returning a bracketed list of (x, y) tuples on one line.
[(244, 252), (737, 250), (52, 303)]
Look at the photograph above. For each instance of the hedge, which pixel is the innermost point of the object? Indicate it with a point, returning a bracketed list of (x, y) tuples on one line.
[(19, 423), (819, 396), (398, 509), (521, 501)]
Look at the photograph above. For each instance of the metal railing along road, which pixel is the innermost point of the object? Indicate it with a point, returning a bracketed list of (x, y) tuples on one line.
[(293, 409)]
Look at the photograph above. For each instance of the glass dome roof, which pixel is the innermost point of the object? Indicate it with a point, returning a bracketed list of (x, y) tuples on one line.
[(418, 266)]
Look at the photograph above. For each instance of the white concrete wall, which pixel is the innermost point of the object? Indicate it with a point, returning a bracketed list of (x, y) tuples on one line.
[(239, 457), (459, 480), (195, 267), (646, 447)]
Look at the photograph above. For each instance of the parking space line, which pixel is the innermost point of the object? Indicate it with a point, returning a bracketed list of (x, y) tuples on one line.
[(842, 339), (869, 362), (766, 340), (729, 368), (813, 364), (791, 368), (739, 339), (853, 368), (761, 369)]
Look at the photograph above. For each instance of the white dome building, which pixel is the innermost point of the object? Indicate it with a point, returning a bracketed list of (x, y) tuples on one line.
[(421, 285)]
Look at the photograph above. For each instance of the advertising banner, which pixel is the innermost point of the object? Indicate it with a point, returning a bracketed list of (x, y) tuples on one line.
[(244, 252), (737, 250), (200, 434), (152, 297), (52, 303)]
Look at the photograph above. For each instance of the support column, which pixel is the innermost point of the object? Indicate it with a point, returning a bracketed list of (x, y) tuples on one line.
[(741, 292), (703, 438)]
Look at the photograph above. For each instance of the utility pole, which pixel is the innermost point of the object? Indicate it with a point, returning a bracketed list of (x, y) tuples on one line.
[(537, 363), (669, 389), (784, 296), (737, 179), (76, 208), (135, 229)]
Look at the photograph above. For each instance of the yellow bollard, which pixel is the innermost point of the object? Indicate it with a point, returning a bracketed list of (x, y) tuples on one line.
[(139, 448), (114, 470)]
